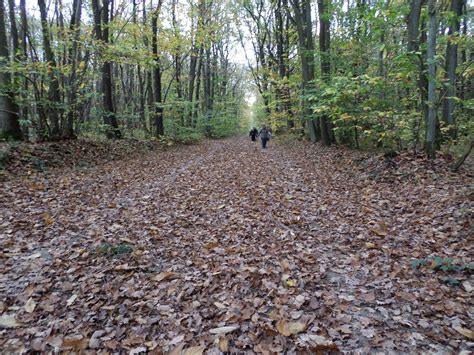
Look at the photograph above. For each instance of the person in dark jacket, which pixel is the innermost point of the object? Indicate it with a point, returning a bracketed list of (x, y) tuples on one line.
[(253, 134), (265, 136)]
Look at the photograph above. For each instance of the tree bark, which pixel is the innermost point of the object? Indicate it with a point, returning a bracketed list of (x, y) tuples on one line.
[(74, 28), (101, 25), (54, 93), (302, 10), (451, 65), (324, 46), (9, 115), (432, 105), (413, 25), (158, 108)]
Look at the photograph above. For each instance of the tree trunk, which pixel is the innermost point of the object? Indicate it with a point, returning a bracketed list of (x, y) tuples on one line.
[(207, 90), (324, 46), (24, 56), (74, 28), (432, 105), (451, 65), (177, 65), (102, 32), (303, 22), (158, 109), (197, 94), (413, 24), (9, 115), (54, 93)]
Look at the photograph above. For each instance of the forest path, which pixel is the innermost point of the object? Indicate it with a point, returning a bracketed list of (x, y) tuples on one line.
[(293, 247)]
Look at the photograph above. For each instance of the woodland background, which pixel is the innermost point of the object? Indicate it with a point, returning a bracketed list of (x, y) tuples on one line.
[(371, 74)]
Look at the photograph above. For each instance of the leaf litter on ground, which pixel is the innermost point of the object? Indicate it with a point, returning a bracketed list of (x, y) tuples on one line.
[(231, 248)]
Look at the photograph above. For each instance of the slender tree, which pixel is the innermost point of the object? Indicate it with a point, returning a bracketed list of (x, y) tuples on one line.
[(101, 24), (9, 114), (158, 100), (324, 46), (451, 65), (432, 99), (54, 92)]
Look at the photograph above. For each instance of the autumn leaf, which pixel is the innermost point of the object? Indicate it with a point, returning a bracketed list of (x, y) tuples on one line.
[(30, 305), (370, 245), (47, 219), (71, 300), (290, 328), (77, 342), (466, 332), (165, 275), (223, 344), (223, 330), (8, 321), (195, 350)]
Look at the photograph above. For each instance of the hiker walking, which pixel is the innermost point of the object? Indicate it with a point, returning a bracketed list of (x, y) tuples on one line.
[(253, 134), (265, 136)]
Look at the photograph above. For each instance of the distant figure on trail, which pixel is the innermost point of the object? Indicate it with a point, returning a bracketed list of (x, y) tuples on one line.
[(265, 136), (253, 134)]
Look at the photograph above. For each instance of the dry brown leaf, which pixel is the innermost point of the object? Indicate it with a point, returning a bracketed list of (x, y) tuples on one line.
[(223, 344), (77, 342), (370, 245), (165, 275), (195, 350), (290, 328), (466, 332)]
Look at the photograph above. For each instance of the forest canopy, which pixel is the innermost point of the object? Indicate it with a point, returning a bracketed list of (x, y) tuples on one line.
[(396, 74)]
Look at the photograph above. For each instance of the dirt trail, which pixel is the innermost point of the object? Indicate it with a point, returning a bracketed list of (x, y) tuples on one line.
[(293, 247)]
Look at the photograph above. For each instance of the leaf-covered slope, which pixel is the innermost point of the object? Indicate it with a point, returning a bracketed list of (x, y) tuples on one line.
[(224, 247)]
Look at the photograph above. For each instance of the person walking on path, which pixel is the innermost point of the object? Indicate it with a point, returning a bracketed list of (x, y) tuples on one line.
[(253, 134), (265, 136)]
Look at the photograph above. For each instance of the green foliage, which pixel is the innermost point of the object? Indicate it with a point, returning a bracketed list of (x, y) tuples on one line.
[(114, 250), (176, 133), (438, 263)]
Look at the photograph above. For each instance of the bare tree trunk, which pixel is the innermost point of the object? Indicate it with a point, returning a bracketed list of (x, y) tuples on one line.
[(302, 10), (177, 65), (101, 25), (74, 28), (413, 25), (54, 93), (197, 94), (158, 110), (432, 104), (207, 90), (324, 46), (9, 115), (24, 56), (451, 65)]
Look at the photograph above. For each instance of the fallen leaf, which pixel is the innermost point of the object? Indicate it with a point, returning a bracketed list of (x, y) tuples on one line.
[(223, 330), (195, 350), (313, 340), (8, 321), (71, 300), (289, 328), (30, 305), (77, 342), (223, 344), (466, 332), (165, 275), (369, 245), (467, 286), (177, 339)]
